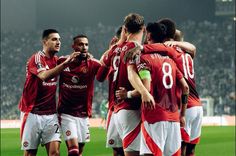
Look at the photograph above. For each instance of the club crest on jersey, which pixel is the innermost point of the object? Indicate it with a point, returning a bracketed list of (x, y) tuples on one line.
[(111, 141), (75, 79), (84, 70), (68, 133), (25, 144), (39, 66)]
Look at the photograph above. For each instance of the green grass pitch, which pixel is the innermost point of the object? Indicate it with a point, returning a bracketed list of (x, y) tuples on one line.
[(215, 141)]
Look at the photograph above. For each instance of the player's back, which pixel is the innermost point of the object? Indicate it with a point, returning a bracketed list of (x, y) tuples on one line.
[(121, 78), (185, 64), (163, 87)]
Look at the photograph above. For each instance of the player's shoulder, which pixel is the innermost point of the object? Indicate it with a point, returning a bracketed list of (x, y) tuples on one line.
[(178, 49), (94, 60), (38, 54), (132, 44), (36, 57), (62, 58)]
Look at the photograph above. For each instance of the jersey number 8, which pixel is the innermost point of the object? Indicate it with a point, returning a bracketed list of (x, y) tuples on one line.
[(167, 72)]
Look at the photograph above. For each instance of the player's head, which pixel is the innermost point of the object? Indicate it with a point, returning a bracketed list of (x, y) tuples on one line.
[(170, 25), (179, 36), (80, 43), (156, 32), (134, 23), (51, 40), (118, 32)]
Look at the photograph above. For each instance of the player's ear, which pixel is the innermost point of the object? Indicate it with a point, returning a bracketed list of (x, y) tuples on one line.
[(125, 30), (43, 41)]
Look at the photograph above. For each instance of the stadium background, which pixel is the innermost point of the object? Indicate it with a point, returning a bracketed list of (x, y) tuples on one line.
[(210, 25)]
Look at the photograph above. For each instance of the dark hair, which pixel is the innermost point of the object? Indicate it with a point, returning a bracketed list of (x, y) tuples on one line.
[(79, 36), (158, 31), (170, 27), (118, 32), (47, 32), (134, 22)]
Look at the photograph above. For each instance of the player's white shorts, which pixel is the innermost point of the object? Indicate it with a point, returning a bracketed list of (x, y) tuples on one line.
[(160, 138), (113, 138), (36, 129), (192, 131), (75, 127), (128, 123)]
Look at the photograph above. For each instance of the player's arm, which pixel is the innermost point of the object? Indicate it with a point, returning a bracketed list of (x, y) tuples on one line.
[(122, 93), (186, 46), (184, 97), (147, 98), (149, 48), (155, 48), (48, 74), (102, 73), (145, 76), (105, 61)]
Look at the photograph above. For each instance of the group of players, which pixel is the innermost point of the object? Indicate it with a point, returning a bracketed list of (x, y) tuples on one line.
[(153, 102)]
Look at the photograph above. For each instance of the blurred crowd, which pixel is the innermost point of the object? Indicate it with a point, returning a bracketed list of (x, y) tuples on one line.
[(214, 63)]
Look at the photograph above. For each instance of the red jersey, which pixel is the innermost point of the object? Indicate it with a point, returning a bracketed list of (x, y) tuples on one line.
[(120, 76), (76, 87), (39, 97), (164, 75), (107, 61), (185, 63)]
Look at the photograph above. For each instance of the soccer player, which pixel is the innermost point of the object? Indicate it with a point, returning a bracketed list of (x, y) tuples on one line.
[(160, 75), (39, 123), (106, 71), (127, 112), (184, 61), (76, 89)]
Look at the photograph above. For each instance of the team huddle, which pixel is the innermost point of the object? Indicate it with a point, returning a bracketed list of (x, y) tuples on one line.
[(153, 106)]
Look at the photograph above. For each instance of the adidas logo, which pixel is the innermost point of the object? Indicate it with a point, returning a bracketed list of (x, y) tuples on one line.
[(67, 69)]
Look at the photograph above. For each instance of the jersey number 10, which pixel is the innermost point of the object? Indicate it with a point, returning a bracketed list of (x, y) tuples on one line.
[(187, 63)]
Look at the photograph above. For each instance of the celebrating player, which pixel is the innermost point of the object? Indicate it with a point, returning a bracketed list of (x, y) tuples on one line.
[(76, 89), (184, 61), (113, 138), (39, 123)]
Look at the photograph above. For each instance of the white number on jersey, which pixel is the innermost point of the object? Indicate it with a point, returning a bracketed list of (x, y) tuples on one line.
[(115, 64), (167, 71), (186, 65)]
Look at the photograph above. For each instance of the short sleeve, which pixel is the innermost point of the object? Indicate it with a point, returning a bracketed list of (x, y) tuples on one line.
[(36, 65)]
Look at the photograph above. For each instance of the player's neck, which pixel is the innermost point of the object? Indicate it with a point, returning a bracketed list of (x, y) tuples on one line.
[(49, 54), (135, 37)]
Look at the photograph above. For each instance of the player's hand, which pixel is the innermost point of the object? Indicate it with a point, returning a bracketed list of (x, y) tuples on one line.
[(170, 43), (148, 100), (72, 57), (182, 121), (121, 94)]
